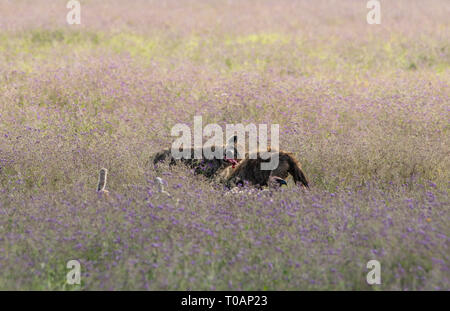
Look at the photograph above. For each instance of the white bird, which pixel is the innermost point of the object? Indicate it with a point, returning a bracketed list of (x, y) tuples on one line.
[(160, 183)]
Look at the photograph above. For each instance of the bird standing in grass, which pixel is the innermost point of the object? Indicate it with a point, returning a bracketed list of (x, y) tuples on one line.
[(102, 182), (160, 183)]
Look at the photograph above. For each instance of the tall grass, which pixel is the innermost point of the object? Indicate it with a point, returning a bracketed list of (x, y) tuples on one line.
[(364, 108)]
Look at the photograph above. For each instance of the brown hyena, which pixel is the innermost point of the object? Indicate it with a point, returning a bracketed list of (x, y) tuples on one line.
[(249, 170)]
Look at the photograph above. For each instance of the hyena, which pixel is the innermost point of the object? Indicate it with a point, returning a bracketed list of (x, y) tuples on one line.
[(249, 170), (207, 167)]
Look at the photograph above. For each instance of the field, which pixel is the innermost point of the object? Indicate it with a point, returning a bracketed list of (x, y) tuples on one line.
[(364, 108)]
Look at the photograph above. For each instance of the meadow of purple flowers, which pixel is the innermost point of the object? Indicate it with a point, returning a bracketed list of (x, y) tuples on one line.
[(365, 109)]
